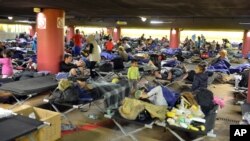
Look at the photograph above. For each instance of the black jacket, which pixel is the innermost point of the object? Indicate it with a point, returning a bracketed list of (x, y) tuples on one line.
[(66, 67), (200, 81)]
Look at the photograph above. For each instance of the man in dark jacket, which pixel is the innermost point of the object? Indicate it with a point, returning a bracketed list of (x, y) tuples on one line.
[(72, 69)]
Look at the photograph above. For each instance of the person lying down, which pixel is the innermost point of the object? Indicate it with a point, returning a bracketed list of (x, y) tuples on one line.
[(179, 72), (159, 95)]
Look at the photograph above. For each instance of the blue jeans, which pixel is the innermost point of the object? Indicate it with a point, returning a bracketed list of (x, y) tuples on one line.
[(77, 51)]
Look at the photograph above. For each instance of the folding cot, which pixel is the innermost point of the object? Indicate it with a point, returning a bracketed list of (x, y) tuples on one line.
[(112, 94), (18, 126), (197, 135), (29, 87), (115, 117), (108, 76), (148, 124), (81, 104), (121, 70)]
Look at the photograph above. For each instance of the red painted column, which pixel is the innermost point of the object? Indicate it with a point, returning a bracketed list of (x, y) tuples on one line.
[(70, 32), (117, 34), (50, 39), (32, 30), (246, 43), (245, 51), (174, 38)]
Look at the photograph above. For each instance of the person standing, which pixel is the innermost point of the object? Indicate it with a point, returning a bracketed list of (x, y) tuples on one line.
[(7, 68), (133, 75), (94, 53), (77, 38), (109, 46), (200, 77)]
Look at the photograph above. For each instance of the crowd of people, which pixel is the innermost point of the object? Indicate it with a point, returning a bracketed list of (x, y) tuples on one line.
[(83, 54)]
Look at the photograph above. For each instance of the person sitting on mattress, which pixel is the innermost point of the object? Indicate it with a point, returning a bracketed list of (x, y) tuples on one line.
[(31, 65), (222, 56), (6, 62), (122, 53), (109, 46), (73, 69)]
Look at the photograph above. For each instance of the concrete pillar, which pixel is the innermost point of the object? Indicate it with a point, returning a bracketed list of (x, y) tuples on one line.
[(246, 43), (174, 38), (116, 34), (50, 39)]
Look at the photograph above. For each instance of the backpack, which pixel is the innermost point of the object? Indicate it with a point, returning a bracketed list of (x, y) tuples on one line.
[(106, 67), (66, 92), (244, 81)]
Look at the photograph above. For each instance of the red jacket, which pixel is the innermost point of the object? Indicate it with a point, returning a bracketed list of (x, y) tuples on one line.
[(109, 46)]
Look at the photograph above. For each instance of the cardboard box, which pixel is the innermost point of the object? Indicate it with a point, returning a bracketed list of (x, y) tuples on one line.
[(47, 133)]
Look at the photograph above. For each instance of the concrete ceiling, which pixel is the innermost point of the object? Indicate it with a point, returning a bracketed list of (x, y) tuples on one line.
[(223, 14)]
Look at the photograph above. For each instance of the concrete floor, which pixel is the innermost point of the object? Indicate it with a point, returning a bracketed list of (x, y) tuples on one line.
[(105, 130), (230, 114)]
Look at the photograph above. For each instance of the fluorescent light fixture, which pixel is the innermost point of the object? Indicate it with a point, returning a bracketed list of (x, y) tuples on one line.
[(121, 23), (143, 19), (10, 17), (25, 21), (244, 23), (159, 22), (156, 22)]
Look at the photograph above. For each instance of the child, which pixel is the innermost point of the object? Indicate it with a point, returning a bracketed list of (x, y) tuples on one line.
[(31, 66), (7, 68), (200, 77), (133, 75)]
